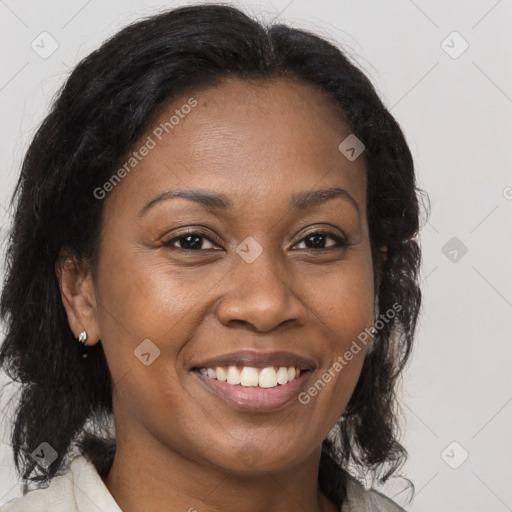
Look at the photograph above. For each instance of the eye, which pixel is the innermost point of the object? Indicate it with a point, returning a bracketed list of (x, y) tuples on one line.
[(317, 240), (190, 241), (196, 240)]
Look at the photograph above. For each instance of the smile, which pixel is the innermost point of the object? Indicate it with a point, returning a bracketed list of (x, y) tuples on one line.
[(254, 389), (269, 377)]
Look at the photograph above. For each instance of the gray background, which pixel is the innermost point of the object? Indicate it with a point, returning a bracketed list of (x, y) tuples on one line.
[(455, 108)]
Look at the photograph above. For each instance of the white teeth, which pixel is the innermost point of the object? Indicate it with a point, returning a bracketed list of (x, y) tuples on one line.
[(233, 375), (220, 374), (249, 376), (268, 377), (282, 375)]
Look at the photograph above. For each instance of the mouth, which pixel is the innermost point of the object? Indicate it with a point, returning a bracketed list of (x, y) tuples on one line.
[(247, 376), (251, 382)]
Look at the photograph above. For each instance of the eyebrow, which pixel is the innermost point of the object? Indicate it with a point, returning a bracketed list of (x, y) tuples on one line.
[(300, 201)]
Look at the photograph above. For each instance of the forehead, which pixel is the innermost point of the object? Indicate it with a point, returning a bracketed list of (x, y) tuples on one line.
[(255, 139)]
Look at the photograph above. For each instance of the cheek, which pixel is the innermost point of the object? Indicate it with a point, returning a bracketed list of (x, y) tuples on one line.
[(342, 298), (343, 303), (144, 299), (148, 297)]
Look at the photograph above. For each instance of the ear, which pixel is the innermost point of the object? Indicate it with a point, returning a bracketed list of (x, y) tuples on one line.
[(78, 295)]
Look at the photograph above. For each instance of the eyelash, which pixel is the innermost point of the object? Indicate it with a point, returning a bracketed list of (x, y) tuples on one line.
[(340, 242)]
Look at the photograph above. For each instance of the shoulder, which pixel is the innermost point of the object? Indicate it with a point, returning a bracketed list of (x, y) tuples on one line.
[(361, 500), (79, 489), (57, 497)]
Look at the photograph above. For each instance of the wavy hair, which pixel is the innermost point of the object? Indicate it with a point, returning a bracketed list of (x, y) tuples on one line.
[(106, 104)]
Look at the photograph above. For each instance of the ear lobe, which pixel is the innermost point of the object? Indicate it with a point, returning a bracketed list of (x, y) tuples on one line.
[(78, 295)]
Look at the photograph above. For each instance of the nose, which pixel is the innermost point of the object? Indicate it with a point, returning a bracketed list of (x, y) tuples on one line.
[(260, 297)]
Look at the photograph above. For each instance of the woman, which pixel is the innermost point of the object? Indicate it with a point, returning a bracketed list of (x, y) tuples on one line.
[(224, 215)]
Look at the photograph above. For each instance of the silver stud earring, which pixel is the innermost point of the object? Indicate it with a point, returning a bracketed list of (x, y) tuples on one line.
[(82, 338)]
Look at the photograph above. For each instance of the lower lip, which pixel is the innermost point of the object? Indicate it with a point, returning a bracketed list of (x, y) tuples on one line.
[(254, 398)]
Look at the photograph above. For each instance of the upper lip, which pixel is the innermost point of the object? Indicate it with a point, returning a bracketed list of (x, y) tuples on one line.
[(258, 360)]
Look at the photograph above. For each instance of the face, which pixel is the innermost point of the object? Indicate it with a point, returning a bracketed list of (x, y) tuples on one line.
[(267, 274)]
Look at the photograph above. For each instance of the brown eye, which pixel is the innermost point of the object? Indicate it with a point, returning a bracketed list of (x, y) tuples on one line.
[(196, 241), (190, 241), (317, 240)]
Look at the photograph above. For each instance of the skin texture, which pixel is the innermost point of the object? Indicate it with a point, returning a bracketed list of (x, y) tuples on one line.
[(258, 143)]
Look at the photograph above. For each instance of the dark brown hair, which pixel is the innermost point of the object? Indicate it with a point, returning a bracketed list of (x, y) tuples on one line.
[(106, 104)]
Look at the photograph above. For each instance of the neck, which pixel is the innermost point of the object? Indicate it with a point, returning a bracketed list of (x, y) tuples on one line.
[(171, 481)]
